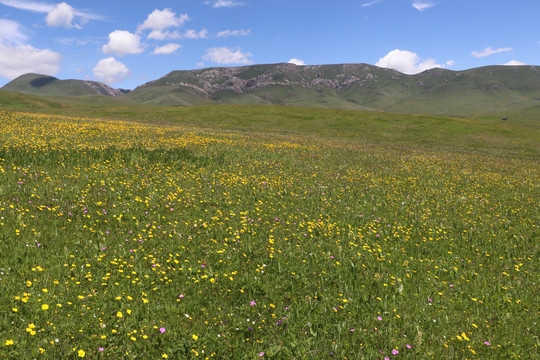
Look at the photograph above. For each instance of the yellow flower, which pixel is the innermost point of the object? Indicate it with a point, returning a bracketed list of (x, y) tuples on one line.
[(41, 350), (119, 314), (81, 353), (14, 309), (165, 356), (195, 337), (9, 342), (44, 307)]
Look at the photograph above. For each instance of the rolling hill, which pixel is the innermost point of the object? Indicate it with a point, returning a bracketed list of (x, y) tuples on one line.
[(45, 85), (351, 86), (486, 90)]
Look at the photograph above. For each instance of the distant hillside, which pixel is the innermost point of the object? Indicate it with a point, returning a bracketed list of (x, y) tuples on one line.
[(353, 86), (486, 90), (44, 85)]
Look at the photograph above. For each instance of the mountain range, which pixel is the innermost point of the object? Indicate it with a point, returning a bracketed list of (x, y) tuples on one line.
[(351, 86)]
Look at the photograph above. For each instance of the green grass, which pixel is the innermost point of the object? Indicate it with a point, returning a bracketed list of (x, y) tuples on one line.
[(238, 232)]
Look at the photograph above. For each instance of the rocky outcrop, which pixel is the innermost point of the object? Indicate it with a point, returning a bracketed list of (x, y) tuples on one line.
[(211, 81), (103, 89)]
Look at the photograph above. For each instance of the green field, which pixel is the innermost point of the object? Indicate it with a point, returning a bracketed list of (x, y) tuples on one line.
[(252, 232)]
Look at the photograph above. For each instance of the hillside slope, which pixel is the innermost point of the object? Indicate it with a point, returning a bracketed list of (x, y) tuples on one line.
[(353, 86), (45, 85), (495, 90)]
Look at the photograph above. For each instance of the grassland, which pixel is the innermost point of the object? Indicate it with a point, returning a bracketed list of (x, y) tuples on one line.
[(240, 232)]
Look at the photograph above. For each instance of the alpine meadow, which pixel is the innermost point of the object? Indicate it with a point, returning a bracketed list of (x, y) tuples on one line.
[(262, 231), (270, 180)]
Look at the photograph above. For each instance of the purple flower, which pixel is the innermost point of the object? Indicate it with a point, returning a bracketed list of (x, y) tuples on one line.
[(379, 318), (253, 303), (162, 330), (101, 349), (261, 354), (395, 352), (487, 343)]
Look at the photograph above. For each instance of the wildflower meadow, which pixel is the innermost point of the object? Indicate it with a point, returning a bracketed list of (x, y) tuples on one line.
[(136, 240)]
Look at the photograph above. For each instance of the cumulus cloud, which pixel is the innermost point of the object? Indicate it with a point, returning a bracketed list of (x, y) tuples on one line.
[(61, 16), (10, 31), (123, 42), (228, 33), (225, 55), (489, 51), (223, 3), (16, 60), (514, 63), (166, 49), (406, 62), (159, 20), (296, 61), (422, 5), (111, 71)]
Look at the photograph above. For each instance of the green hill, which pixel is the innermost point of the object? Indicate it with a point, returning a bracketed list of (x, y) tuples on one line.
[(493, 89), (45, 85)]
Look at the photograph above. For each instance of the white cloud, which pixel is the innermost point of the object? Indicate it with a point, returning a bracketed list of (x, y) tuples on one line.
[(123, 42), (489, 51), (296, 61), (160, 20), (224, 3), (422, 5), (162, 35), (60, 12), (28, 5), (61, 16), (166, 49), (10, 31), (225, 55), (193, 34), (228, 33), (514, 63), (406, 62), (371, 3), (450, 63), (22, 59), (200, 64), (111, 71), (188, 34)]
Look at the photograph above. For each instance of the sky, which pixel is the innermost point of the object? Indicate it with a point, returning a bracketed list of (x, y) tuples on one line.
[(128, 43)]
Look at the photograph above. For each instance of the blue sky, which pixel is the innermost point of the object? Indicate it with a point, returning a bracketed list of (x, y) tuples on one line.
[(126, 44)]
